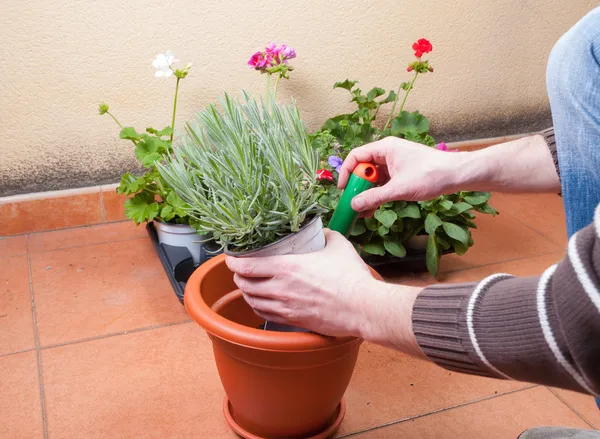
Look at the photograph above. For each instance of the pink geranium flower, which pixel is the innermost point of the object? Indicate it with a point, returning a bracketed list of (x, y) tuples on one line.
[(443, 147)]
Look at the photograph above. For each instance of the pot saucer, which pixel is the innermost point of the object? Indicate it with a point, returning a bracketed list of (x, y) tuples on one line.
[(338, 417)]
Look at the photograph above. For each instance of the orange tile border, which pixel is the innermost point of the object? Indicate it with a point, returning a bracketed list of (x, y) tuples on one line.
[(54, 210)]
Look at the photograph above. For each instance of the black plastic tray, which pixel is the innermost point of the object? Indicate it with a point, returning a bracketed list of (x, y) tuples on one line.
[(177, 261)]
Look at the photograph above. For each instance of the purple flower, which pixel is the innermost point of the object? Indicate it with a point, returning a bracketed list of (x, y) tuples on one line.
[(335, 162), (442, 147)]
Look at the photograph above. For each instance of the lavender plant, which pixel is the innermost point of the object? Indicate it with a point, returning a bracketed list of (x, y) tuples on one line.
[(247, 170)]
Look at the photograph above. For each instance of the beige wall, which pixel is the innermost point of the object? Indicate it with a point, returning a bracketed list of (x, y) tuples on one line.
[(61, 57)]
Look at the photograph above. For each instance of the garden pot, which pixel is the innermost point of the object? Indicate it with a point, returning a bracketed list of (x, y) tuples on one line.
[(309, 239), (180, 235), (278, 384)]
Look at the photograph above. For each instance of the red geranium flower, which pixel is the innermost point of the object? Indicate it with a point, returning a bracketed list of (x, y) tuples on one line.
[(422, 46), (324, 174)]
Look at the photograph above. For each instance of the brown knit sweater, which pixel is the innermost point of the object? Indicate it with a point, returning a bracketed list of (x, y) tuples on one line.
[(542, 329)]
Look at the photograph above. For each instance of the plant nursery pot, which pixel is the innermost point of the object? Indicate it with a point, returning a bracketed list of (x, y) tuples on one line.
[(180, 235), (278, 384), (309, 239)]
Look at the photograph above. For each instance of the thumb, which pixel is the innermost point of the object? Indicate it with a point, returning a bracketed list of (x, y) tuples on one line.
[(373, 198)]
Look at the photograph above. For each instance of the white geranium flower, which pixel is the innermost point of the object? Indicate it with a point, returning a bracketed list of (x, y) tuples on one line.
[(162, 63)]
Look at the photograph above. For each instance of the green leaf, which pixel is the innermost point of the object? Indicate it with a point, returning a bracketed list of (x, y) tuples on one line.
[(477, 198), (149, 150), (432, 222), (406, 122), (460, 248), (374, 248), (371, 224), (130, 184), (347, 84), (179, 206), (129, 133), (398, 205), (409, 211), (486, 208), (386, 217), (375, 93), (395, 248), (441, 241), (459, 208), (383, 230), (167, 213), (141, 208), (456, 232), (446, 204), (358, 228), (391, 97), (432, 256)]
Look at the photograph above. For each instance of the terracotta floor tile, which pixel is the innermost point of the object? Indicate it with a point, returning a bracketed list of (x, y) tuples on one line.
[(114, 210), (583, 404), (16, 322), (388, 386), (20, 406), (499, 239), (50, 213), (77, 237), (504, 417), (100, 289), (543, 212), (13, 246), (533, 266), (161, 383)]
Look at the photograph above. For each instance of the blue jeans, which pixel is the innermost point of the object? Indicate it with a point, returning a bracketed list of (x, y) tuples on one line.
[(573, 81)]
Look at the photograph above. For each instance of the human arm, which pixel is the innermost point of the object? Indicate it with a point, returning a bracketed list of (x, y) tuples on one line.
[(415, 172), (544, 330)]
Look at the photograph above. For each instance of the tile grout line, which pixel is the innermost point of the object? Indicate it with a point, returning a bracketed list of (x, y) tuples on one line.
[(550, 240), (572, 408), (90, 244), (37, 232), (17, 352), (434, 412), (37, 341), (116, 334), (102, 212), (427, 277)]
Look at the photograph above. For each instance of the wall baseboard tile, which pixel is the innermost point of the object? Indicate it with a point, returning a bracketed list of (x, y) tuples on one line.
[(53, 210)]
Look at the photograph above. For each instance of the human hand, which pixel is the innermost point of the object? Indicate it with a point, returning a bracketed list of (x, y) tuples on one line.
[(409, 171), (331, 292)]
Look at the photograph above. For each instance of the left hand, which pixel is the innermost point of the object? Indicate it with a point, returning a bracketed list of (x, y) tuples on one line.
[(326, 291)]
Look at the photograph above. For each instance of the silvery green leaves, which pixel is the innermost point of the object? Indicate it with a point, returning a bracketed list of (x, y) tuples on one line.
[(248, 171)]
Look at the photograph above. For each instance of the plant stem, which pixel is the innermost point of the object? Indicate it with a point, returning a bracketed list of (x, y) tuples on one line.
[(396, 101), (115, 119), (268, 87), (119, 123), (407, 92), (174, 109), (276, 84)]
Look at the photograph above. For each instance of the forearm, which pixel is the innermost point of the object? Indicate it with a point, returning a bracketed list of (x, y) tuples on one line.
[(523, 165), (387, 315)]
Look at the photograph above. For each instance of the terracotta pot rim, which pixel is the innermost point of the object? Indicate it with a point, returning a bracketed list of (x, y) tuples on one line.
[(236, 333)]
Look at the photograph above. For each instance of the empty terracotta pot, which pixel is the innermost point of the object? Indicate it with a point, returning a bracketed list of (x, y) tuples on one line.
[(278, 384)]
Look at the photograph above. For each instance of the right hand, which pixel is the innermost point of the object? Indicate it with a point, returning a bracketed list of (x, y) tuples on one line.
[(409, 171)]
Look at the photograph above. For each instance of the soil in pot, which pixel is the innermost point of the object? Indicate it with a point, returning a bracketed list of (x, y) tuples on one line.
[(278, 384)]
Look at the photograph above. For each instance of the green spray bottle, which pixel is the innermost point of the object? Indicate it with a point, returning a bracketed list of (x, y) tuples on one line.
[(362, 178)]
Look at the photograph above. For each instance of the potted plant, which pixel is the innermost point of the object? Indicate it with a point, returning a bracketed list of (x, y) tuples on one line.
[(248, 172), (400, 227), (151, 197)]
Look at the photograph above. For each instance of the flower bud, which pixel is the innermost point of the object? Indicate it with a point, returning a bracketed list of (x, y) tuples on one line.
[(102, 108)]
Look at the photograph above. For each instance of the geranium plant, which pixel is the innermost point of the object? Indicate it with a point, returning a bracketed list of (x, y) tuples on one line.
[(247, 171), (150, 196), (447, 219)]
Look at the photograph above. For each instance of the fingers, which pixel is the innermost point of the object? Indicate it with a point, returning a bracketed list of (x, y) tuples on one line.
[(373, 153), (256, 286), (373, 198), (255, 267)]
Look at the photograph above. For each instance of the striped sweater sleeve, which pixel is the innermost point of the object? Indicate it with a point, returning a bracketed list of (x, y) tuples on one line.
[(543, 330)]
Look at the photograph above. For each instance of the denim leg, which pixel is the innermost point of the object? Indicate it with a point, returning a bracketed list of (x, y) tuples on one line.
[(573, 81)]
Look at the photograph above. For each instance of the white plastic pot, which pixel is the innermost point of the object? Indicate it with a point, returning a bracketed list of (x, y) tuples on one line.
[(309, 238), (180, 235)]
